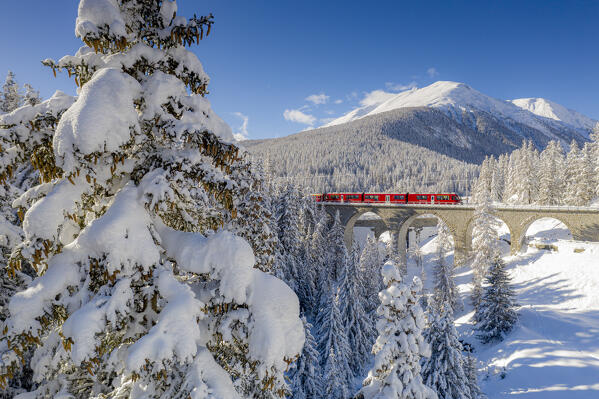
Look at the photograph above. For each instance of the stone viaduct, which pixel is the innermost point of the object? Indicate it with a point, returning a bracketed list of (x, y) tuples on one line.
[(583, 222)]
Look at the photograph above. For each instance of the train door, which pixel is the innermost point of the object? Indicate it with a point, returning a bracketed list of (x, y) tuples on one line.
[(387, 198), (432, 199)]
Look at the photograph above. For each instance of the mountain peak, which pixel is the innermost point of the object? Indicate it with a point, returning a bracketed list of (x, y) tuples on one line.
[(552, 110), (454, 98)]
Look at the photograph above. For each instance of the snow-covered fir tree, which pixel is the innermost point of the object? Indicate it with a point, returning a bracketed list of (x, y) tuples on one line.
[(400, 345), (369, 267), (550, 174), (140, 292), (334, 349), (572, 171), (497, 314), (585, 181), (286, 212), (317, 268), (471, 370), (595, 155), (304, 376), (11, 97), (33, 127), (485, 249), (358, 323), (445, 290), (444, 371), (32, 96)]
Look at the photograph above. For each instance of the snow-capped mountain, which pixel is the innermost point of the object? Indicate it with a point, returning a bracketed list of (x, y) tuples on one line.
[(551, 110), (457, 99)]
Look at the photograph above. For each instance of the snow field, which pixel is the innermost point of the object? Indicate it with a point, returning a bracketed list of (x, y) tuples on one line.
[(553, 351)]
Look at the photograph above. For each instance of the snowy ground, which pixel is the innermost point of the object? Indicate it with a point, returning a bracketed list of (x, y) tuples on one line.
[(553, 352)]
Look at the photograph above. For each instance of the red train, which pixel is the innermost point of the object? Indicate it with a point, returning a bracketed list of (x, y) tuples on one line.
[(391, 198)]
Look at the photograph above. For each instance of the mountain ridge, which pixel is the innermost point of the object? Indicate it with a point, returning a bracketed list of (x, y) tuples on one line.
[(453, 98)]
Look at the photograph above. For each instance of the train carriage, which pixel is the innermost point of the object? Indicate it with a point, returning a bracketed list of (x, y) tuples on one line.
[(391, 198)]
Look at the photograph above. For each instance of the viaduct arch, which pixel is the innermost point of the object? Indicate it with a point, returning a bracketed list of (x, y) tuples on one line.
[(583, 222)]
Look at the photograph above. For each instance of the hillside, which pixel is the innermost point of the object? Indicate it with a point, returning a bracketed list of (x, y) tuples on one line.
[(405, 149)]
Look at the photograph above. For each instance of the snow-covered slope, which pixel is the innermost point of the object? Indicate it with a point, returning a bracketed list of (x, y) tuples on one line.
[(455, 98), (551, 110), (553, 351)]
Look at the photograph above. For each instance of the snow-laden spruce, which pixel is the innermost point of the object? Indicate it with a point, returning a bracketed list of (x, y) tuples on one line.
[(444, 371), (305, 377), (334, 348), (139, 292), (358, 323), (497, 310), (485, 247), (24, 134), (400, 344), (445, 290)]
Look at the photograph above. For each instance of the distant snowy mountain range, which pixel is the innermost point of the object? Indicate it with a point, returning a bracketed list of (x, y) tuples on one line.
[(455, 99)]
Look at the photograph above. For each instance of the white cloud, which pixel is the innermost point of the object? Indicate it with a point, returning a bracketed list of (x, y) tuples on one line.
[(376, 97), (242, 133), (432, 72), (295, 115), (400, 87), (338, 101), (351, 96), (318, 98)]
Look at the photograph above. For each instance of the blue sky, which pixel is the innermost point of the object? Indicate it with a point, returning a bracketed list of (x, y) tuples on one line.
[(267, 58)]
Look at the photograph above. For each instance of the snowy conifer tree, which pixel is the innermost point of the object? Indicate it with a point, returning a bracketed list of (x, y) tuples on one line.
[(11, 98), (595, 155), (585, 181), (443, 371), (32, 96), (485, 249), (445, 290), (358, 323), (318, 272), (31, 128), (369, 269), (400, 344), (305, 376), (333, 345), (138, 294), (551, 168), (497, 314), (471, 371), (572, 172)]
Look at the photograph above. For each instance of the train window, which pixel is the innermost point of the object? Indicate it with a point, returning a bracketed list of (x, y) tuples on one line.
[(352, 196), (422, 197), (398, 197), (334, 196), (372, 197), (442, 197), (456, 198)]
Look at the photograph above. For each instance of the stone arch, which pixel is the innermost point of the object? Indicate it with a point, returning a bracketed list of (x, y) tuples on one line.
[(350, 221), (527, 222), (470, 228), (405, 225)]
